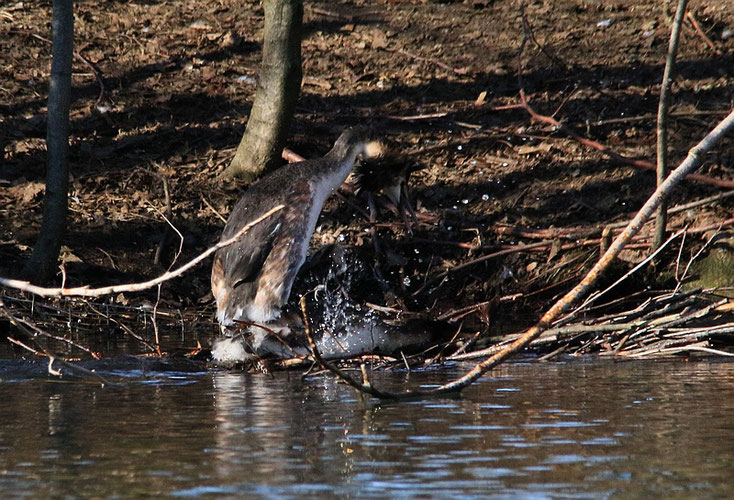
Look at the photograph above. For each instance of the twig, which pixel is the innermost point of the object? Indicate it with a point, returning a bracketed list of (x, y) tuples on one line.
[(596, 296), (124, 327), (437, 62), (214, 210), (244, 323), (361, 387), (701, 34), (702, 201), (168, 217), (531, 36), (478, 260), (428, 116), (25, 346), (97, 73), (572, 233), (715, 225), (32, 331), (651, 116), (661, 216), (469, 343), (605, 150), (438, 355), (24, 327), (85, 291), (679, 281), (456, 314)]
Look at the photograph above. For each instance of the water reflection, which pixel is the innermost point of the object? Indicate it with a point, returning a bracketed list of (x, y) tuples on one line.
[(576, 429)]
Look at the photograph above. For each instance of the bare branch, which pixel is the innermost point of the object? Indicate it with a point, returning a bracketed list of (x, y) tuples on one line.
[(661, 217), (85, 291)]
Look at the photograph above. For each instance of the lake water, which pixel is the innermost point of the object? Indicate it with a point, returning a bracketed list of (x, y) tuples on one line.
[(573, 429)]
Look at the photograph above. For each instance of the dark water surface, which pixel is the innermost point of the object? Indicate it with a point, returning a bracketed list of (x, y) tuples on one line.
[(578, 429)]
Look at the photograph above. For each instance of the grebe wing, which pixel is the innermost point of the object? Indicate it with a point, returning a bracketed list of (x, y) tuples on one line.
[(288, 249), (242, 261)]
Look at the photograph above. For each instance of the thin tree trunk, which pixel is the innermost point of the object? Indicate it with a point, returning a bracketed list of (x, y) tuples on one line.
[(277, 92), (661, 216), (42, 264)]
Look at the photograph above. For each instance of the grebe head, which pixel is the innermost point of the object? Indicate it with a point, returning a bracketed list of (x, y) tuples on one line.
[(384, 171), (352, 142)]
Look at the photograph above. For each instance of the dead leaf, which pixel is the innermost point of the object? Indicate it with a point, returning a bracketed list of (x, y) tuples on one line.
[(94, 55), (68, 256), (555, 249), (30, 191), (528, 149), (317, 82), (377, 39)]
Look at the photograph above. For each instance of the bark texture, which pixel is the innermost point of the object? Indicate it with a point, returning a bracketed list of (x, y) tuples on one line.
[(277, 92), (42, 264)]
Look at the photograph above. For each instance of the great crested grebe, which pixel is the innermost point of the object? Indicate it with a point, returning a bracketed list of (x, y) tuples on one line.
[(252, 278)]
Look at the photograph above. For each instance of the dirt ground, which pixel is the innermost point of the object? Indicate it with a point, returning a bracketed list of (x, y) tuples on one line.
[(162, 91)]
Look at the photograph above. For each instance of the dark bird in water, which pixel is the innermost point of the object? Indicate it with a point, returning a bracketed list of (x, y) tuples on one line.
[(252, 279)]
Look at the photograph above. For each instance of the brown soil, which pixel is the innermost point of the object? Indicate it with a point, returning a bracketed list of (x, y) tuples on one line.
[(178, 79)]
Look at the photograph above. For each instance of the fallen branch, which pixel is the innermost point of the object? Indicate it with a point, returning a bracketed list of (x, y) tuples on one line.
[(692, 161), (85, 291)]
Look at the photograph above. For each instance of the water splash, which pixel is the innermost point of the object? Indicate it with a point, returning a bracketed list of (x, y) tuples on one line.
[(342, 326)]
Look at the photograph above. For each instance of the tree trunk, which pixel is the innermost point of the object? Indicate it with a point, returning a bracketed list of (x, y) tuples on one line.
[(277, 92), (42, 264)]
